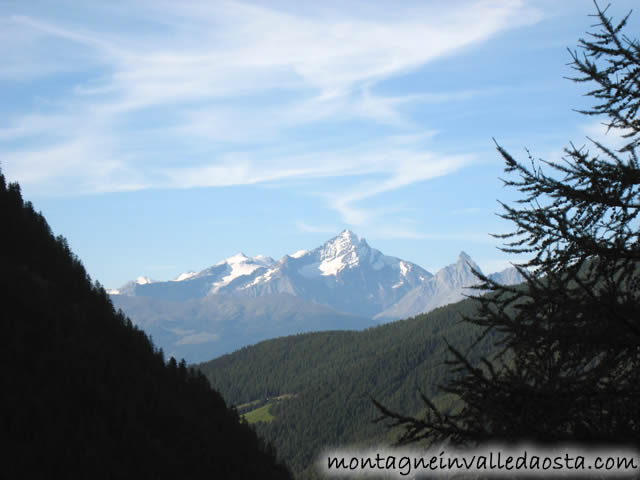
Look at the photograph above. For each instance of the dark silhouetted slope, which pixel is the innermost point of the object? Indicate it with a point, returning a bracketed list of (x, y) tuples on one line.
[(84, 393)]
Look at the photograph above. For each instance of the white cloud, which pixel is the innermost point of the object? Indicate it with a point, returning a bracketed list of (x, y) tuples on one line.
[(198, 338), (609, 138), (198, 75), (403, 168)]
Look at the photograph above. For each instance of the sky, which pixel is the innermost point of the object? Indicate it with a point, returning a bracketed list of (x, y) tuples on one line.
[(162, 137)]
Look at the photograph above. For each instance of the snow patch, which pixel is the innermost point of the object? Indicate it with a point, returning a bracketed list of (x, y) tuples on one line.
[(185, 276), (143, 280), (235, 270), (237, 258), (265, 277), (332, 266), (404, 269), (262, 260), (299, 253), (240, 265)]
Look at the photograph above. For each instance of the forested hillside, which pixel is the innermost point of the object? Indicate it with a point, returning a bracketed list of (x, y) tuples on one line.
[(84, 393), (330, 377)]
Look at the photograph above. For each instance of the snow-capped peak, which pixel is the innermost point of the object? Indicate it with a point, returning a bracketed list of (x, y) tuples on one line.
[(240, 265), (299, 253), (185, 276), (340, 252), (344, 251), (347, 237), (345, 242), (143, 280), (237, 258)]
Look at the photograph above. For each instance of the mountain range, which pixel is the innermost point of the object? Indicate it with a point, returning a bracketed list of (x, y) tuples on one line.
[(344, 284)]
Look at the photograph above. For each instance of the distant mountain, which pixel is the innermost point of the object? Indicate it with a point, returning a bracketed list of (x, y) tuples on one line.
[(451, 284), (344, 273), (203, 328), (342, 284), (197, 285), (509, 276)]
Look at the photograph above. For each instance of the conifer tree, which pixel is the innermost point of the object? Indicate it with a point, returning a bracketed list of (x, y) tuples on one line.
[(568, 361)]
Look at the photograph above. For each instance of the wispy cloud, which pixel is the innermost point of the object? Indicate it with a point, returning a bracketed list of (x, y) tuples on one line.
[(403, 168), (198, 338), (197, 91), (608, 137)]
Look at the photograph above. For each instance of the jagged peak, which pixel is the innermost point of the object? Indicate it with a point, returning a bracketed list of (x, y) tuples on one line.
[(238, 257), (185, 276), (465, 260), (464, 256), (345, 242), (346, 235)]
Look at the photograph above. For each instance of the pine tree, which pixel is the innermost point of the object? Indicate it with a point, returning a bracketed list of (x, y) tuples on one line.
[(567, 366)]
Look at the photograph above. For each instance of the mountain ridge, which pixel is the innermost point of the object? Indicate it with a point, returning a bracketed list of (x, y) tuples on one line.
[(246, 276), (344, 281)]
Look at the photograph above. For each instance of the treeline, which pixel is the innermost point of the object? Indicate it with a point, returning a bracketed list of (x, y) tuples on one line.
[(334, 375), (84, 392)]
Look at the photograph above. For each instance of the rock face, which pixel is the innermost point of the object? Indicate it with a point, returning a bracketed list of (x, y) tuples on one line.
[(449, 285), (342, 284), (344, 273)]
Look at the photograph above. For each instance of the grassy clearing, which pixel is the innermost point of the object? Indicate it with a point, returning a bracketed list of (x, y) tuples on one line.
[(261, 414)]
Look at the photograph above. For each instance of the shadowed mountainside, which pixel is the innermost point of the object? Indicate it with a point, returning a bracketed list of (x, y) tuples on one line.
[(84, 393)]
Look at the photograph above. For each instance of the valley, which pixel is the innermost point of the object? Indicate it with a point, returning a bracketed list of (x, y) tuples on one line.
[(334, 375)]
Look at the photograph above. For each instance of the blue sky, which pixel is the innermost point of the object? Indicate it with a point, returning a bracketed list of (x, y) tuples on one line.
[(161, 137)]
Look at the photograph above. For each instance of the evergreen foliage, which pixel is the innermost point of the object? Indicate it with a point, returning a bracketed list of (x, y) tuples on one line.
[(331, 377), (84, 394), (567, 368)]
